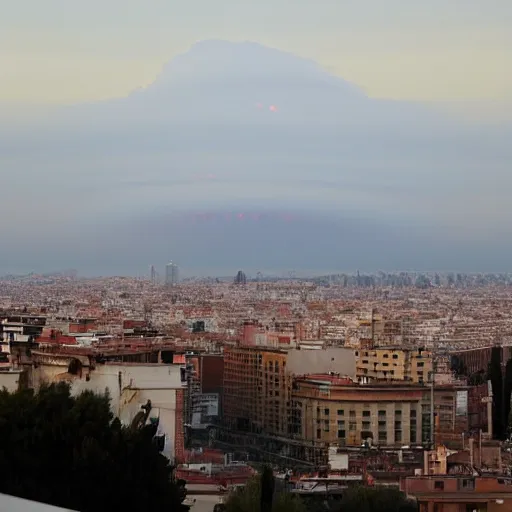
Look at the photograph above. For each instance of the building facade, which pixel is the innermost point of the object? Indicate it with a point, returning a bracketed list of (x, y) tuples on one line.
[(394, 364), (460, 493), (339, 412), (171, 274)]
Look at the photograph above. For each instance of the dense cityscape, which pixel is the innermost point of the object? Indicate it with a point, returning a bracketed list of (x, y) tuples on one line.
[(397, 379)]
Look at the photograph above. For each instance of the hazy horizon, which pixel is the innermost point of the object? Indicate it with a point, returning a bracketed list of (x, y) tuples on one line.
[(228, 129)]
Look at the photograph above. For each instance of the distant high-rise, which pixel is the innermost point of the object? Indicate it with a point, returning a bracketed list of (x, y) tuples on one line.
[(171, 274), (240, 278), (152, 274)]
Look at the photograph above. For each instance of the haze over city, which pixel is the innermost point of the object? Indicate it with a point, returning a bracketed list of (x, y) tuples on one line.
[(256, 256), (342, 137)]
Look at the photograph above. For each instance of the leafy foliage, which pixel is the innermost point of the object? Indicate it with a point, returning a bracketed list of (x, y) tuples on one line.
[(267, 486), (355, 499), (247, 499), (507, 413), (71, 452), (370, 499)]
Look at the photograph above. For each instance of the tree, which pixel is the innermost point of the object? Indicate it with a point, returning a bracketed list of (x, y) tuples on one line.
[(355, 499), (70, 452), (267, 486), (248, 499), (507, 413), (370, 499)]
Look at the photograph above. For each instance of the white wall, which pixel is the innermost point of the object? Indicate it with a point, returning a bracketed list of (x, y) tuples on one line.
[(157, 383), (10, 380)]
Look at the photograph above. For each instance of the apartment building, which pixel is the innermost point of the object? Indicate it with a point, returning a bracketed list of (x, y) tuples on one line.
[(257, 407), (460, 493), (256, 390), (393, 364), (337, 411), (258, 379)]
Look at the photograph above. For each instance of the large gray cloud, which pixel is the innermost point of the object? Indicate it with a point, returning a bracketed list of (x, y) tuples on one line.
[(417, 187)]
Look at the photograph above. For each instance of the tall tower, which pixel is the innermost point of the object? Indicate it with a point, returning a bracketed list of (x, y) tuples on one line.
[(240, 278), (152, 274), (171, 274)]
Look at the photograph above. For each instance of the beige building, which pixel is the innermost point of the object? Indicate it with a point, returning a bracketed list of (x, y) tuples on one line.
[(12, 380), (394, 364), (333, 410), (258, 379)]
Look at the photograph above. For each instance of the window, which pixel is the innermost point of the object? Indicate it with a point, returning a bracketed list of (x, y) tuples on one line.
[(352, 426), (439, 485), (341, 434), (383, 437), (326, 412), (318, 433), (366, 414), (395, 356), (398, 436), (413, 413), (466, 484), (341, 423), (366, 425), (382, 413), (352, 414), (398, 413), (341, 412)]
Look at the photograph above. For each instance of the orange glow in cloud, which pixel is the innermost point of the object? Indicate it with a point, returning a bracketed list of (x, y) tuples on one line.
[(272, 108)]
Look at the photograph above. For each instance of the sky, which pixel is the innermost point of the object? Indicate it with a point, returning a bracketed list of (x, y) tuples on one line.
[(59, 51), (234, 156)]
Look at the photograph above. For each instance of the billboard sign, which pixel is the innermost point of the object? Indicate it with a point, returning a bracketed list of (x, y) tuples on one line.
[(205, 406)]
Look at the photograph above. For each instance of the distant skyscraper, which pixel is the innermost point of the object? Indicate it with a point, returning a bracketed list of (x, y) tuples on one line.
[(240, 278), (171, 274), (152, 274)]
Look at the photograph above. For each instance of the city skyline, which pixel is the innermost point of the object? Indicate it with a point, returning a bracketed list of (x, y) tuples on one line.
[(250, 243)]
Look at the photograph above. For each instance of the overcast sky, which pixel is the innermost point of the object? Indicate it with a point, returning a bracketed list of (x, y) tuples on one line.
[(67, 51), (117, 185)]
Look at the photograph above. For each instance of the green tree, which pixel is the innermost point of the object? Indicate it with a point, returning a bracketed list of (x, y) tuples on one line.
[(248, 499), (371, 499), (267, 486), (71, 452)]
